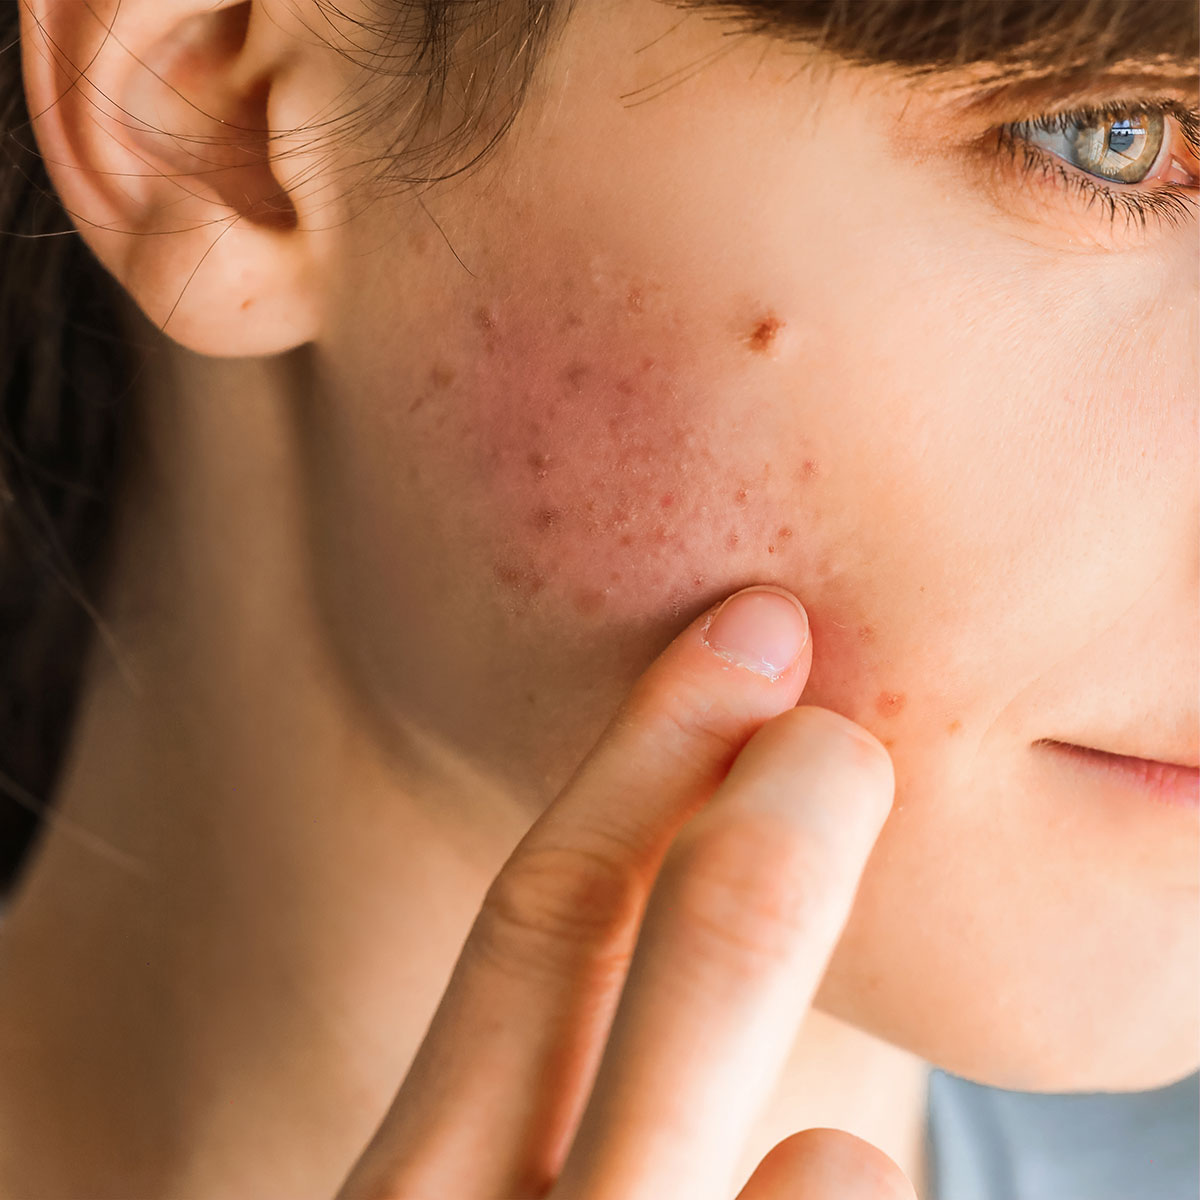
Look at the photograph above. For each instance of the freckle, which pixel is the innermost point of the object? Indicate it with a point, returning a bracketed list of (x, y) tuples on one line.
[(731, 541), (810, 468), (247, 302), (785, 532), (889, 704), (485, 318), (576, 373), (954, 727), (667, 499), (547, 518), (866, 633), (740, 496), (762, 336), (441, 376)]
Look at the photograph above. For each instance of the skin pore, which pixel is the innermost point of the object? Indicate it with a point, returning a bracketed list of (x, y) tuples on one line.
[(376, 598)]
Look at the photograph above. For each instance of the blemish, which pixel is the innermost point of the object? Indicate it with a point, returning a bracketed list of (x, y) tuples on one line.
[(697, 581), (785, 532), (740, 496), (770, 547), (589, 600), (626, 539), (576, 373), (441, 376), (762, 336), (667, 499), (518, 578), (247, 302), (809, 469), (572, 321), (547, 518), (485, 318), (647, 364), (634, 300), (954, 727), (889, 704), (660, 534), (866, 633), (540, 462), (420, 400), (731, 541), (625, 388)]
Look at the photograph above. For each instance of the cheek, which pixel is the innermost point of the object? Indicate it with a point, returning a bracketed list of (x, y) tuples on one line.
[(617, 456)]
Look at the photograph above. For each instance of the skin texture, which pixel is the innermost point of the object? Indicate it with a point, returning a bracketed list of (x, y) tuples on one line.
[(961, 427), (383, 592)]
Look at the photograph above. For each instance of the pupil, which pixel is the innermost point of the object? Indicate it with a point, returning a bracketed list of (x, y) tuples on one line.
[(1122, 136)]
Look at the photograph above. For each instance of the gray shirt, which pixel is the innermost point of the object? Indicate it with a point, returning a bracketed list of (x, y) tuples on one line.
[(990, 1144)]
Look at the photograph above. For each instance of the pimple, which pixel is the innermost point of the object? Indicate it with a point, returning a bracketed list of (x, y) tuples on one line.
[(762, 336), (576, 373), (889, 704), (517, 578), (485, 318), (740, 496), (731, 541), (866, 633), (441, 376), (809, 469), (785, 532), (540, 462), (589, 600)]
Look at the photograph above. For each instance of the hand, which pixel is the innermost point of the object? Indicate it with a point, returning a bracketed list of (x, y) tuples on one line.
[(642, 963)]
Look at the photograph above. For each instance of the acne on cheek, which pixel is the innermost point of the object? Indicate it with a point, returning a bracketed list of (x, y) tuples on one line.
[(607, 460)]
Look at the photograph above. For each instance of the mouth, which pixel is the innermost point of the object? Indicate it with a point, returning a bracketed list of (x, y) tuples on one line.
[(1171, 783)]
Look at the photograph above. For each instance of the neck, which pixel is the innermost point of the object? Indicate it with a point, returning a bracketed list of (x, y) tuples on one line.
[(232, 936)]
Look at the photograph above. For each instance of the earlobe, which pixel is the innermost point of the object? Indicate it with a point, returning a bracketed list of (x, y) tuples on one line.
[(152, 117)]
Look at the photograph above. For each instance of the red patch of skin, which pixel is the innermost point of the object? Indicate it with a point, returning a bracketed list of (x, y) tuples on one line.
[(889, 704), (604, 461)]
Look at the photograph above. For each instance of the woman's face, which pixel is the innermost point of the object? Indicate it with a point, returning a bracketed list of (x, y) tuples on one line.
[(709, 321)]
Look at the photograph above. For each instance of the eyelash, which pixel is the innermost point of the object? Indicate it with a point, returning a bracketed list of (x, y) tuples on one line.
[(1171, 204)]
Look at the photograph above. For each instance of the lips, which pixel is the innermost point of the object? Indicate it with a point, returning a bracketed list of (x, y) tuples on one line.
[(1174, 783)]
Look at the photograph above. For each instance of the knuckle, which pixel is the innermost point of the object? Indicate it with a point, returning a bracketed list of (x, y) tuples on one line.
[(690, 719), (750, 891), (553, 906)]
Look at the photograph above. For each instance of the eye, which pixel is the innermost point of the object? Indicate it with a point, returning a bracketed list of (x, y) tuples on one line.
[(1137, 157)]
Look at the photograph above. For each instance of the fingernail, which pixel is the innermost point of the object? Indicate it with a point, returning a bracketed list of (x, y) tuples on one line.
[(762, 628)]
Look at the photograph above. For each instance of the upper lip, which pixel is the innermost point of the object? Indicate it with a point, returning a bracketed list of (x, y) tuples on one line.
[(1186, 758)]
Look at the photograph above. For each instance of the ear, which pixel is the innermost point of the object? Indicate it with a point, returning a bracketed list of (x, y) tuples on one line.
[(153, 118)]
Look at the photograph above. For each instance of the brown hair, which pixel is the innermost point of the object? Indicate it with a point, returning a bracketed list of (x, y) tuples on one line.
[(67, 374)]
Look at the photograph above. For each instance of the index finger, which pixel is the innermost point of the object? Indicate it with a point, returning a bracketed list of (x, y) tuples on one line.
[(749, 903)]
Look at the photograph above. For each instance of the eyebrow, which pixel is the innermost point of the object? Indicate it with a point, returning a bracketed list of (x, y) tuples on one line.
[(1013, 40)]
